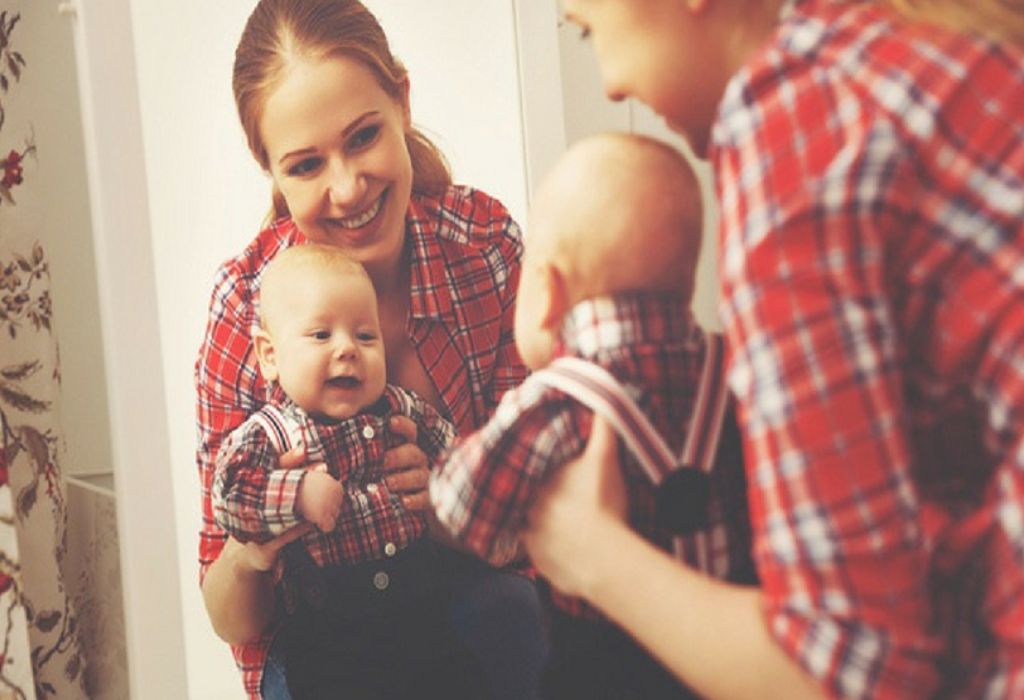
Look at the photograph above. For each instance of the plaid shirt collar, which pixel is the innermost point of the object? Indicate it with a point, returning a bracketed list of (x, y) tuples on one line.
[(609, 327), (429, 298)]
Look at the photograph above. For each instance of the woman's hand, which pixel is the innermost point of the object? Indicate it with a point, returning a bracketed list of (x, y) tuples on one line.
[(586, 495), (253, 557), (238, 590), (407, 467)]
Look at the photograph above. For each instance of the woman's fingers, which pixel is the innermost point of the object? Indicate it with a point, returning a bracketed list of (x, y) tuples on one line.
[(402, 457), (406, 467), (262, 557), (405, 427), (417, 502), (407, 481), (290, 535)]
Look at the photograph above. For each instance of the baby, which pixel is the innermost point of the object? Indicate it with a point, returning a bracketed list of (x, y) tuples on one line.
[(603, 311), (320, 340)]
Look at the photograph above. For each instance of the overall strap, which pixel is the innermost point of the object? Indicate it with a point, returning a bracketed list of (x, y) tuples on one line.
[(708, 407), (284, 431), (597, 389)]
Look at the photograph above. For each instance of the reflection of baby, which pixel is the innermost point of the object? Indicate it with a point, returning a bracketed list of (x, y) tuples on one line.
[(320, 340), (612, 246)]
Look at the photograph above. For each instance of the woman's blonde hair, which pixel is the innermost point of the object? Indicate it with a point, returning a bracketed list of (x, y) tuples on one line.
[(1002, 20), (280, 30)]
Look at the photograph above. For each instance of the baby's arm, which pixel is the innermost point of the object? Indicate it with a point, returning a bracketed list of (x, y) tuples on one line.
[(320, 499), (483, 488), (254, 500)]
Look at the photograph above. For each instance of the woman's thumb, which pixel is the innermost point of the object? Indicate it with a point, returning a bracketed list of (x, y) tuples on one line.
[(603, 443)]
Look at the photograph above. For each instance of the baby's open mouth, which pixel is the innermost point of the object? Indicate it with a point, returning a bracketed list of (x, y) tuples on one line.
[(346, 382)]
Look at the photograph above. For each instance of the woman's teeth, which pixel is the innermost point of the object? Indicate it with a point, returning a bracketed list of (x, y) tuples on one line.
[(362, 219)]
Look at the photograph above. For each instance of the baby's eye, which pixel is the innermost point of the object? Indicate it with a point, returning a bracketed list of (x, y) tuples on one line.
[(366, 337), (304, 167), (363, 137), (320, 335)]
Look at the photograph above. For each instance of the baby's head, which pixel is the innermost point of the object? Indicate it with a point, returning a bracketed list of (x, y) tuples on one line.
[(617, 213), (319, 335)]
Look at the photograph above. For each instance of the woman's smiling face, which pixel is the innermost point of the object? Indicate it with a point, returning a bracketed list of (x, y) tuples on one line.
[(336, 146)]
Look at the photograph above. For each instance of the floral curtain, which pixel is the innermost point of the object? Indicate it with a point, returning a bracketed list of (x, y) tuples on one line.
[(40, 656)]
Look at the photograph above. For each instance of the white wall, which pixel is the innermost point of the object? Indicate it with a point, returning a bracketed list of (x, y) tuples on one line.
[(207, 196)]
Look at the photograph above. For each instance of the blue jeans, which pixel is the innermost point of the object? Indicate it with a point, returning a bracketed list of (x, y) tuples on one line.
[(274, 685), (495, 613)]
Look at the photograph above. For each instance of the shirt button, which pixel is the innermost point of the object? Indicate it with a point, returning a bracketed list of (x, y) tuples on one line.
[(369, 432), (371, 488), (390, 549), (381, 580)]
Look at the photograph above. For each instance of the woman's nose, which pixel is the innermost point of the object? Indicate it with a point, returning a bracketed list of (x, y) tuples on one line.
[(346, 186)]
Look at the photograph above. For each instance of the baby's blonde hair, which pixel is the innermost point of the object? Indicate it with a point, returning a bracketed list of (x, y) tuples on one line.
[(1000, 19), (619, 212), (308, 258)]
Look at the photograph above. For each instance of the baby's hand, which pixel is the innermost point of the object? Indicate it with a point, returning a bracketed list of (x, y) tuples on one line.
[(320, 499)]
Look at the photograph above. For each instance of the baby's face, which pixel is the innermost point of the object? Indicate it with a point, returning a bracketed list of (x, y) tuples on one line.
[(328, 346)]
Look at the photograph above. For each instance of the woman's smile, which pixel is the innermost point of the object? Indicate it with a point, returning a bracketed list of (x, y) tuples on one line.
[(363, 218), (360, 228)]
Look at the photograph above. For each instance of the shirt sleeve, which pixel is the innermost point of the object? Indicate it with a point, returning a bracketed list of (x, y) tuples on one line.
[(253, 499), (482, 491), (227, 391), (807, 203)]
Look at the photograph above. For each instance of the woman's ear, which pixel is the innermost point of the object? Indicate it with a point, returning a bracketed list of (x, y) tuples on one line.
[(263, 344)]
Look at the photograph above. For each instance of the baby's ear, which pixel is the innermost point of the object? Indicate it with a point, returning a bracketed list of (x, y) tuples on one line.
[(556, 297), (264, 347)]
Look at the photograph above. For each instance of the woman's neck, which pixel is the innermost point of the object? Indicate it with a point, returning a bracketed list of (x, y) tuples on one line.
[(390, 277)]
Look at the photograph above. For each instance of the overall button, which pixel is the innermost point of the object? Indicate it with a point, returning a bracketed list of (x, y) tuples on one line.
[(390, 549), (368, 432), (381, 580), (371, 488)]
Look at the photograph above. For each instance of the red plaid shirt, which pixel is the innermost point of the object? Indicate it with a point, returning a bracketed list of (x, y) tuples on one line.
[(464, 256), (871, 181), (652, 346), (255, 500)]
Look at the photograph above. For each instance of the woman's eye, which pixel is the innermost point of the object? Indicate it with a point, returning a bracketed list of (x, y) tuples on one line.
[(363, 137), (584, 33), (303, 167)]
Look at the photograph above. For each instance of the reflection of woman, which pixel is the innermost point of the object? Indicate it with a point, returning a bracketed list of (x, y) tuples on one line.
[(870, 174), (325, 108)]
